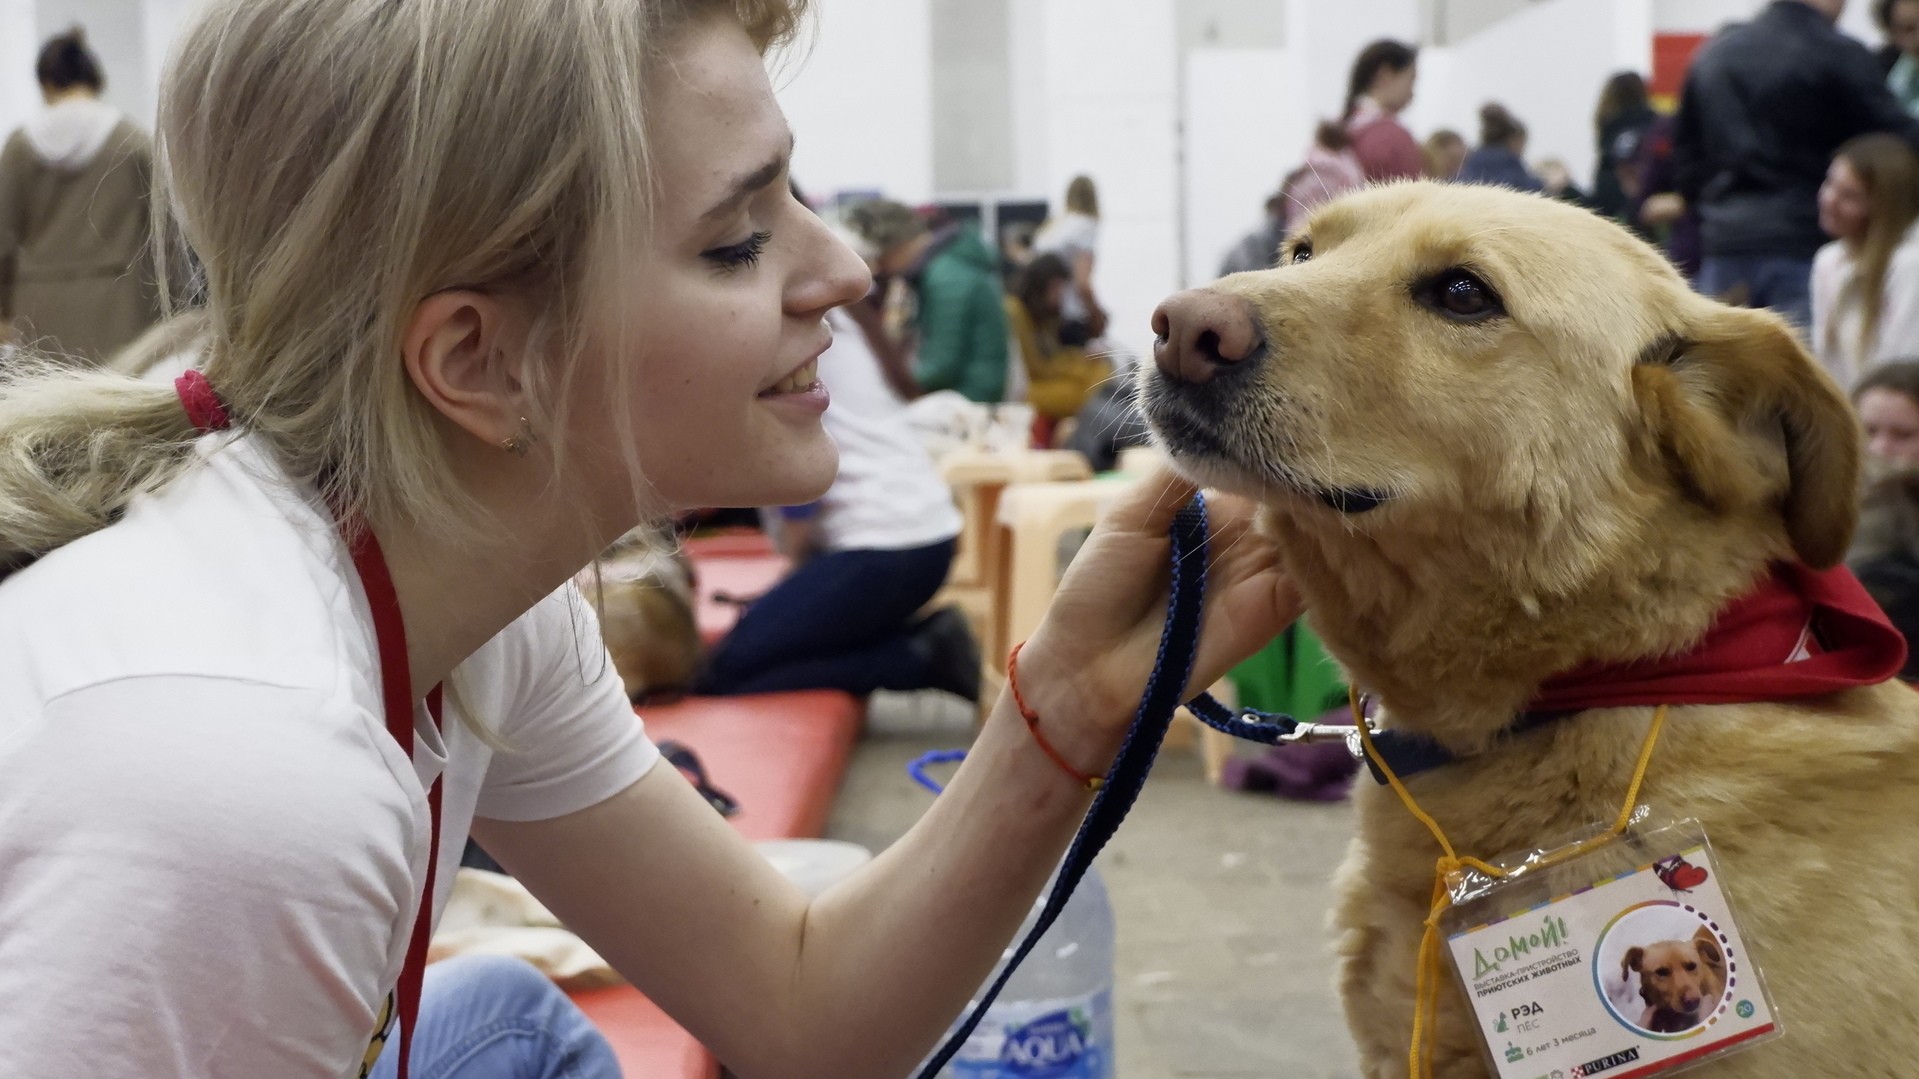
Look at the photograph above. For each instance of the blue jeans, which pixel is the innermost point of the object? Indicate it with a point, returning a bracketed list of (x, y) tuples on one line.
[(840, 621), (1782, 284), (484, 1017)]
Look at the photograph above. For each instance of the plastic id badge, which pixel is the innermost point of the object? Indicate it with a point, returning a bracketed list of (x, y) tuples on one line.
[(1622, 962)]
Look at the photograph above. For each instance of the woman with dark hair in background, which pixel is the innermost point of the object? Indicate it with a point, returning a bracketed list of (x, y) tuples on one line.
[(1885, 550), (1657, 208), (76, 278), (1380, 89), (1625, 113), (1865, 283), (1501, 157)]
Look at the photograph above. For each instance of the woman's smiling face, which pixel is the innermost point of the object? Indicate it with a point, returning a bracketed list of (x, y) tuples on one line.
[(724, 317)]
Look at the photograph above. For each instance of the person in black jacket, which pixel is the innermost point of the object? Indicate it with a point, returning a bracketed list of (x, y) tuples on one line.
[(1765, 106)]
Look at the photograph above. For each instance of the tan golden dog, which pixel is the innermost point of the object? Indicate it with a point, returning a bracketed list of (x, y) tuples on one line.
[(1498, 438)]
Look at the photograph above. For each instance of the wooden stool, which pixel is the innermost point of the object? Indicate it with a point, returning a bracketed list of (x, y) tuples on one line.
[(1034, 519), (977, 477)]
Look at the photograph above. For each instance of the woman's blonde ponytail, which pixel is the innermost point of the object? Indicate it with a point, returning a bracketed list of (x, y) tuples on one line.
[(76, 445)]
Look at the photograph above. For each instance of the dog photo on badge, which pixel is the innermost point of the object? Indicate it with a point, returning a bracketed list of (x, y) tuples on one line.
[(1663, 970)]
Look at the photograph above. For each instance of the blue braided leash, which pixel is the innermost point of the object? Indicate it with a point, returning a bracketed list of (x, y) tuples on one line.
[(1178, 646)]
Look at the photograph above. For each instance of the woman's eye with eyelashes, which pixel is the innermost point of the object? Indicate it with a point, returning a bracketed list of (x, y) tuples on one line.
[(741, 255)]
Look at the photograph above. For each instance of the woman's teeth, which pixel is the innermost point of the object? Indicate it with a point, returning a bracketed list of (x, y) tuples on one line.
[(799, 381)]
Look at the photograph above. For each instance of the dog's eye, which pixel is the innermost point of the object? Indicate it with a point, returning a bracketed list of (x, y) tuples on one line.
[(1303, 252), (1460, 295), (1692, 966), (1664, 972)]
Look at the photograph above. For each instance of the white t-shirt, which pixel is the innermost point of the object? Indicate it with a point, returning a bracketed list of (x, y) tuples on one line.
[(1838, 316), (211, 850), (889, 495)]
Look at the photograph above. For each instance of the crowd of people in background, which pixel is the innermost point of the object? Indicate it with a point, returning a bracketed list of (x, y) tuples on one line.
[(1793, 186)]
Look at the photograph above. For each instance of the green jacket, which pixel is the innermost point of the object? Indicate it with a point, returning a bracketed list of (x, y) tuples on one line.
[(962, 321)]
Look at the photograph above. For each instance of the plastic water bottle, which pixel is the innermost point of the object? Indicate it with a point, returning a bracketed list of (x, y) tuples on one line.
[(1054, 1020)]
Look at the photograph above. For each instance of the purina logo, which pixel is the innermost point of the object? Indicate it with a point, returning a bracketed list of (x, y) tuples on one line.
[(1049, 1047), (1605, 1064)]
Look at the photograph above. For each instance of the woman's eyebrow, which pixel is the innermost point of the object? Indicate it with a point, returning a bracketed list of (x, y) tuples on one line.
[(750, 184)]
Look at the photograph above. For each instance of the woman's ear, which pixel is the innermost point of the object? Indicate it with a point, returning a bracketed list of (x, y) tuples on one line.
[(1737, 373), (459, 349)]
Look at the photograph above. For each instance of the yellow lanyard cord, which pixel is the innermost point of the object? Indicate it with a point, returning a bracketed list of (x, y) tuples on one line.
[(1430, 969)]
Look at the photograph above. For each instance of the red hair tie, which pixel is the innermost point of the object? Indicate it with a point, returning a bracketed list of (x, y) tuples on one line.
[(203, 406)]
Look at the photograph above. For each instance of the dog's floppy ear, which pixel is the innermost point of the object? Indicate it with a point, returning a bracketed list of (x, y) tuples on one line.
[(1736, 373), (1634, 957), (1707, 946)]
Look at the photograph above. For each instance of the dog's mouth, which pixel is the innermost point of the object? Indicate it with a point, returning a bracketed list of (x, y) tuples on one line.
[(1195, 425)]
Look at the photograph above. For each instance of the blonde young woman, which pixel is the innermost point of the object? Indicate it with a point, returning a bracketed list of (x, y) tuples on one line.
[(1865, 283), (491, 282)]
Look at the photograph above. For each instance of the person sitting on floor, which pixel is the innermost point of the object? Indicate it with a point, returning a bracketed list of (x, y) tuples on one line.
[(1061, 374), (867, 558)]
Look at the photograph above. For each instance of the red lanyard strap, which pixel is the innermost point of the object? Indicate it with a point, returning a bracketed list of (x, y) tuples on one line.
[(396, 688)]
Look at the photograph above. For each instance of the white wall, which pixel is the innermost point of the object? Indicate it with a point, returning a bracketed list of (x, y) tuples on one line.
[(19, 44), (860, 99), (1110, 103), (1703, 16), (1243, 134), (1231, 24)]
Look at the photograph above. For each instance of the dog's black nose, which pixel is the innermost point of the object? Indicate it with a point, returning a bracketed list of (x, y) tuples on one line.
[(1201, 331)]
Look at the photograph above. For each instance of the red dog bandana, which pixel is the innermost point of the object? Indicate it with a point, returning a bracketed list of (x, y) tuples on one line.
[(1802, 633)]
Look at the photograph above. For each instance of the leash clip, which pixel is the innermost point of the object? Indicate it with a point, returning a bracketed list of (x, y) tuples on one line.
[(1317, 733)]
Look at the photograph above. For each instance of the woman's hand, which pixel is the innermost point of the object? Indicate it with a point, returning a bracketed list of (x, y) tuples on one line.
[(1091, 656)]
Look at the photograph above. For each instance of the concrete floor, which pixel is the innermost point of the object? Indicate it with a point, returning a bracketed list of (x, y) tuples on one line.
[(1223, 968)]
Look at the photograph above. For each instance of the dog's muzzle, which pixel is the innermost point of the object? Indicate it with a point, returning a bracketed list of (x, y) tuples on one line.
[(1207, 340)]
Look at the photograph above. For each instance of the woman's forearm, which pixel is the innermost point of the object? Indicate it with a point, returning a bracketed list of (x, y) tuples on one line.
[(890, 958)]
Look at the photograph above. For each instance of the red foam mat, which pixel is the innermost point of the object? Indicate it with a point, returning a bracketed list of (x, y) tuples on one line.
[(648, 1044), (742, 568), (782, 756)]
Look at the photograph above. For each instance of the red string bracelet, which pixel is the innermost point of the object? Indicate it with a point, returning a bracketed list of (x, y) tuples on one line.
[(1091, 783)]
